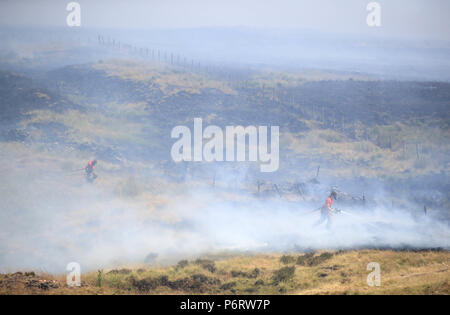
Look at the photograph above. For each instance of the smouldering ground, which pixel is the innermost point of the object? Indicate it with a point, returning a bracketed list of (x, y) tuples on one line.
[(406, 272)]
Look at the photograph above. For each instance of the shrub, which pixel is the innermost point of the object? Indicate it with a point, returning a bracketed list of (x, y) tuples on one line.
[(303, 260), (228, 286), (147, 284), (284, 274), (259, 282), (251, 275), (206, 264), (287, 259), (310, 260), (122, 271), (99, 278), (182, 263)]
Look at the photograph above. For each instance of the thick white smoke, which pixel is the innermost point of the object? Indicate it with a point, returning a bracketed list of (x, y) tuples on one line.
[(45, 224)]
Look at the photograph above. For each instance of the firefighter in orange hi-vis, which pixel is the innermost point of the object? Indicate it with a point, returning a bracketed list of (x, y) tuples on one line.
[(89, 169), (327, 210)]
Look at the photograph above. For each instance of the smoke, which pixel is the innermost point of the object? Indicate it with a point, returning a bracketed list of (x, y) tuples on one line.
[(50, 218), (277, 225)]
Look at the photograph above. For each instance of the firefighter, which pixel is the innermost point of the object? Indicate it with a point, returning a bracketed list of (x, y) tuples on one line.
[(327, 210), (89, 169)]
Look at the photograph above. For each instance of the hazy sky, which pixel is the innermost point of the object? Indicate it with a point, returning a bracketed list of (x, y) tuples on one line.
[(421, 19)]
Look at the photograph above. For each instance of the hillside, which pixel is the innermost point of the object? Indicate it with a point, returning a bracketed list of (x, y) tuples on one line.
[(420, 272), (226, 148), (122, 112), (369, 128), (384, 144)]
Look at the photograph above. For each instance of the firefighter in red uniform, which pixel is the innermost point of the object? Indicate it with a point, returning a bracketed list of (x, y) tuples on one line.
[(89, 169), (326, 212)]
